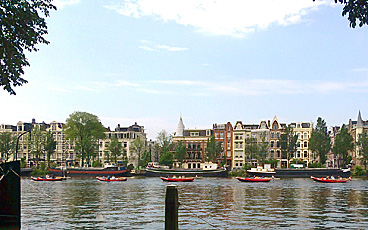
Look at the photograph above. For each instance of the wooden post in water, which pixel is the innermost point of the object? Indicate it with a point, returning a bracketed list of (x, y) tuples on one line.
[(171, 208)]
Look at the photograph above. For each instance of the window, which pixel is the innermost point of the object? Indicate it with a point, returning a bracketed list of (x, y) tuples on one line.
[(216, 135), (221, 135), (278, 135), (278, 153), (305, 144), (272, 144), (194, 134), (272, 154), (272, 135), (278, 144), (305, 154)]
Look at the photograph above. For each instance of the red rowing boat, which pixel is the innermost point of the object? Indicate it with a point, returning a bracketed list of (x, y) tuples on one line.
[(111, 179), (46, 179), (329, 180), (246, 179), (174, 179)]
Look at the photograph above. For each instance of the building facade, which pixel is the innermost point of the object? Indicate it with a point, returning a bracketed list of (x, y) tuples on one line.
[(223, 133), (356, 129), (195, 141), (276, 129), (240, 134), (303, 131), (64, 154)]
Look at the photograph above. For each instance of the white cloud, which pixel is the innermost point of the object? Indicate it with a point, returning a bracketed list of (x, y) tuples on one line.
[(220, 17), (242, 87), (127, 83), (254, 87), (171, 48), (147, 48), (151, 46), (363, 69), (61, 3)]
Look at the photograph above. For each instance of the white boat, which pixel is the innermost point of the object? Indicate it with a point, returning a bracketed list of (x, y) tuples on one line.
[(262, 171)]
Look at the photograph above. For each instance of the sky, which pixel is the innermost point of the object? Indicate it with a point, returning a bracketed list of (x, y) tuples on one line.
[(209, 61)]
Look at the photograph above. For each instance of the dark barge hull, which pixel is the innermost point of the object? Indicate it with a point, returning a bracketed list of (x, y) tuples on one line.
[(304, 173), (89, 172), (10, 195), (158, 172)]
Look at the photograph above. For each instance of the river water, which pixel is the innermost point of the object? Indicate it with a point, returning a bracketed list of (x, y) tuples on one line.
[(208, 203)]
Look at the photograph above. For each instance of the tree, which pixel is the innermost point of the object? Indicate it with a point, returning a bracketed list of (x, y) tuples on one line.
[(164, 144), (115, 149), (85, 130), (363, 148), (166, 158), (213, 149), (22, 28), (180, 152), (49, 146), (7, 145), (357, 10), (263, 147), (252, 148), (288, 143), (320, 142), (344, 143), (36, 143), (139, 147), (257, 149), (146, 158)]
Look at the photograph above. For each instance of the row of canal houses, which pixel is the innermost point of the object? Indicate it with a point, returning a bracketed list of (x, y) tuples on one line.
[(233, 139), (64, 153)]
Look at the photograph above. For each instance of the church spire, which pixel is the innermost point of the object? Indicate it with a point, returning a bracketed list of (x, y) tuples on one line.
[(360, 121), (180, 129)]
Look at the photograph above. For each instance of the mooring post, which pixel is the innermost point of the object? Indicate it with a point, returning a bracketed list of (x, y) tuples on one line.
[(171, 208)]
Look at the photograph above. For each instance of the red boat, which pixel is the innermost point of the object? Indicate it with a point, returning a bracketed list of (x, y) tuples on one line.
[(248, 179), (329, 180), (46, 179), (177, 179), (111, 179)]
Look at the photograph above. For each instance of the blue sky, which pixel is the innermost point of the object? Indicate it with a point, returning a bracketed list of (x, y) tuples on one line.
[(212, 61)]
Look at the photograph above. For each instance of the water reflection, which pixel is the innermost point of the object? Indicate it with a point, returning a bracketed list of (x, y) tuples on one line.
[(208, 203)]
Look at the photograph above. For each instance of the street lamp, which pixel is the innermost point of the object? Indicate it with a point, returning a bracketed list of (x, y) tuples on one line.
[(16, 146)]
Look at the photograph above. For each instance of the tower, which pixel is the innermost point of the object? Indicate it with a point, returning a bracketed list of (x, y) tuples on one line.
[(180, 129)]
